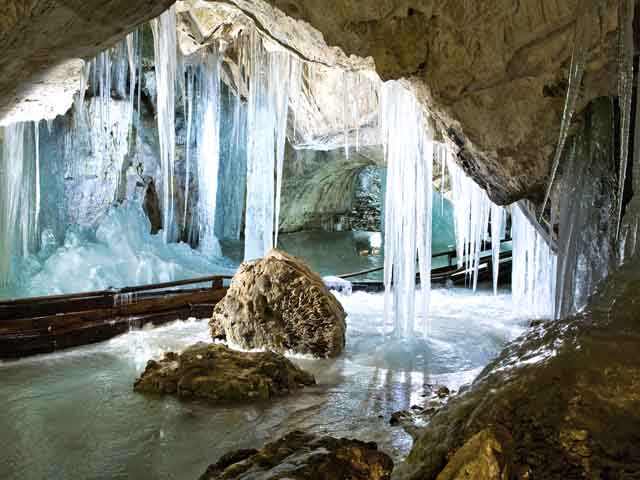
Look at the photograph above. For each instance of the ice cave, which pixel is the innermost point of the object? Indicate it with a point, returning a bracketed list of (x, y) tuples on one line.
[(319, 240)]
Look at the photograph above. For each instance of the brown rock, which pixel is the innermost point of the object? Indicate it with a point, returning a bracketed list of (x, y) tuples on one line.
[(219, 374), (280, 304), (484, 457), (305, 456)]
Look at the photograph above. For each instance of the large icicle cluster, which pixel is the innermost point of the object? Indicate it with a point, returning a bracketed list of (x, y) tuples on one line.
[(208, 138), (409, 152), (269, 75), (477, 219), (534, 268), (19, 195), (166, 61)]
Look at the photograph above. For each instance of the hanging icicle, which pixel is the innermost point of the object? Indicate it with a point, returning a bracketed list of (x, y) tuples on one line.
[(583, 33), (268, 75), (473, 209), (166, 64), (208, 138), (625, 92), (19, 195), (534, 268), (409, 155)]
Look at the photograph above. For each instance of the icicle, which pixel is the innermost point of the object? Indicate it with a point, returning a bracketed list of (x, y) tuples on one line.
[(19, 195), (472, 211), (209, 152), (581, 42), (534, 268), (497, 218), (165, 48), (409, 156), (268, 73), (189, 113), (625, 92)]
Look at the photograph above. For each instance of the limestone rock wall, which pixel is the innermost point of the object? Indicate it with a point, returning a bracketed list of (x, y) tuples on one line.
[(493, 72)]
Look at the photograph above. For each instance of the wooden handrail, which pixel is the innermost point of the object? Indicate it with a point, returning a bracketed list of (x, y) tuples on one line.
[(115, 291)]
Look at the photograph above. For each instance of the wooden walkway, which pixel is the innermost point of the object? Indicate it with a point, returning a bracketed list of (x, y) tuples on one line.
[(36, 325), (46, 324)]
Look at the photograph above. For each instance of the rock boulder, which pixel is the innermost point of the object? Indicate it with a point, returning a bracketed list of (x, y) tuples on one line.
[(280, 304), (219, 374), (304, 456)]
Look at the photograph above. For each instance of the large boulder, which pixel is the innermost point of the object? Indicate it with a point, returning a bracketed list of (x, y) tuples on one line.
[(279, 303), (561, 402), (304, 456), (216, 373)]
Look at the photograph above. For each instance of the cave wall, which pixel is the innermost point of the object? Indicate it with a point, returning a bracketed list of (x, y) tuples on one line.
[(493, 72)]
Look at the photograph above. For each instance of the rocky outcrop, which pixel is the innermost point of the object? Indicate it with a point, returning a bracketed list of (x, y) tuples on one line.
[(280, 304), (304, 456), (40, 37), (319, 187), (493, 73), (566, 397), (221, 375)]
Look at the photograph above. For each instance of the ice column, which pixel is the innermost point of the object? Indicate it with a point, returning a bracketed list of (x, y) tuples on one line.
[(166, 50), (19, 195), (208, 136), (268, 74), (409, 155), (534, 268)]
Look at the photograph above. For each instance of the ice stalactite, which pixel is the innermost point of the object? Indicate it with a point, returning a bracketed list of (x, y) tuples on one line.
[(497, 226), (188, 107), (586, 252), (268, 74), (584, 31), (409, 155), (534, 268), (631, 222), (626, 10), (19, 195), (166, 63), (233, 166), (473, 211), (208, 139)]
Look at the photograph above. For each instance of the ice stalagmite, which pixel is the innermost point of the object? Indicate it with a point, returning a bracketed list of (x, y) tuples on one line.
[(268, 73), (409, 155), (166, 62), (208, 138), (534, 268)]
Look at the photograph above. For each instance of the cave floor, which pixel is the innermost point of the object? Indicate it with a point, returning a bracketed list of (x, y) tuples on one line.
[(74, 414)]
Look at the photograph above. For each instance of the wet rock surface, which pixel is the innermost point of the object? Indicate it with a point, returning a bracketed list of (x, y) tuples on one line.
[(305, 456), (280, 304), (414, 420), (566, 397), (218, 374)]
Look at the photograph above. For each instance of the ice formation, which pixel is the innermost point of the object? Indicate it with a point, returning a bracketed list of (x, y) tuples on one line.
[(118, 252), (584, 31), (534, 268), (477, 219), (269, 75), (626, 49), (409, 154), (19, 195), (208, 138), (166, 51)]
